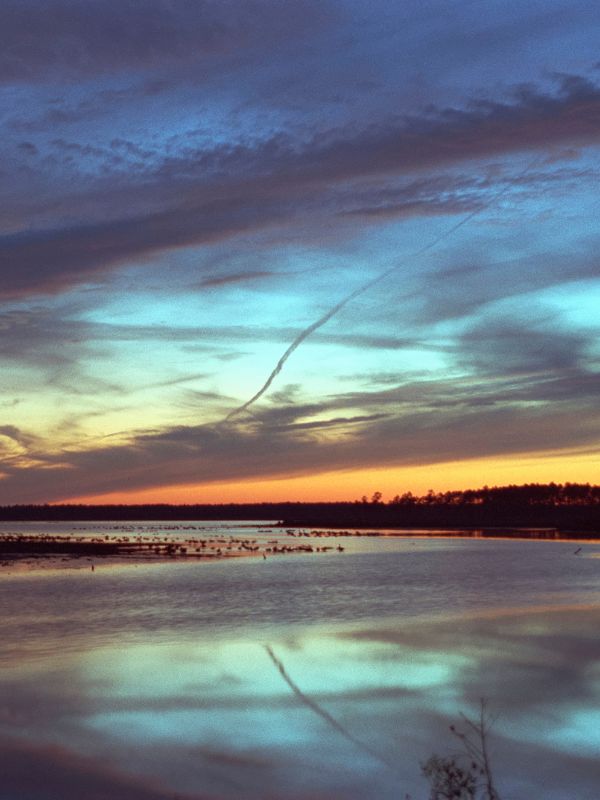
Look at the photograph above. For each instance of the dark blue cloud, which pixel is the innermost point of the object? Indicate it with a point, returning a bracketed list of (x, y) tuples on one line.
[(227, 190), (67, 40), (187, 187)]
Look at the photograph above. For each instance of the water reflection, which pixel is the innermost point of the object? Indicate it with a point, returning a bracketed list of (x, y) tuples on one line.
[(215, 719), (154, 682)]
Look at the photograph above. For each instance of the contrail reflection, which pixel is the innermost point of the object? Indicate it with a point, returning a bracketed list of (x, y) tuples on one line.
[(325, 715)]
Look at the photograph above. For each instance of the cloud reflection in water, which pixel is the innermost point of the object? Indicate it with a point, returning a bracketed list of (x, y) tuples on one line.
[(215, 719)]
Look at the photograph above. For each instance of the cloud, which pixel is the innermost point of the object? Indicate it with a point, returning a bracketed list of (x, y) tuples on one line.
[(15, 444), (55, 347), (510, 347), (471, 283), (211, 282), (57, 112), (414, 208), (28, 147), (49, 40), (52, 338), (231, 189), (533, 119), (14, 433), (516, 379), (51, 260), (423, 428)]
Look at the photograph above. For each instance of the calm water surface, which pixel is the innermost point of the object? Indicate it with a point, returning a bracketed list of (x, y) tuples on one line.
[(154, 681)]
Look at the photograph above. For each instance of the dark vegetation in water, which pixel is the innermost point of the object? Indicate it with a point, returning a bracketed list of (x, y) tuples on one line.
[(131, 545), (566, 507), (466, 775)]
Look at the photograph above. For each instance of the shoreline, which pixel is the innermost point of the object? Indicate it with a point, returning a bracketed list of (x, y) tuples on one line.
[(571, 508), (496, 532), (28, 554)]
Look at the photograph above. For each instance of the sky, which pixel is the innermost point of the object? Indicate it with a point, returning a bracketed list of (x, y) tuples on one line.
[(306, 250)]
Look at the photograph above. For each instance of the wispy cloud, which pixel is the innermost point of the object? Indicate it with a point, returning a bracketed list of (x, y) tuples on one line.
[(409, 424), (258, 181), (108, 37), (211, 282), (404, 200)]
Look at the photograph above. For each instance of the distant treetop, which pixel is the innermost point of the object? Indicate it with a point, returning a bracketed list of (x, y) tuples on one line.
[(529, 494)]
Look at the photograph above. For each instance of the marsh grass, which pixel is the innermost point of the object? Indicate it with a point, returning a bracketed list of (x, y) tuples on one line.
[(466, 775)]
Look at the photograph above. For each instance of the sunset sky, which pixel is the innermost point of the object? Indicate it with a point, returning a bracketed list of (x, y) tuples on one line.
[(188, 186)]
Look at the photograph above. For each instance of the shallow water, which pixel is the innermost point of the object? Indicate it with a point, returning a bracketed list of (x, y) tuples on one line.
[(154, 681)]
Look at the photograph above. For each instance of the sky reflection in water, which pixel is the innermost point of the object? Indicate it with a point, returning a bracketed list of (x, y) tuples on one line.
[(191, 705)]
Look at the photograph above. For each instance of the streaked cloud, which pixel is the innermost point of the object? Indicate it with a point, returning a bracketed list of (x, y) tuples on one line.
[(187, 191)]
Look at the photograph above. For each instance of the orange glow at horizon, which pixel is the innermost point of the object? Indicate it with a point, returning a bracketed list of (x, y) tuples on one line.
[(353, 484)]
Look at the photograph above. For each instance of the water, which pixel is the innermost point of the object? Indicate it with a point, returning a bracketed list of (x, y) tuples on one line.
[(154, 681)]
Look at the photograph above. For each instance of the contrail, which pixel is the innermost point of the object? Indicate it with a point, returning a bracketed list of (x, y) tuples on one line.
[(325, 715), (360, 290)]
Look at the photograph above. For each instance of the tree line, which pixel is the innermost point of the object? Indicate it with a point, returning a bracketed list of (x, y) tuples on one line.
[(528, 494), (565, 507)]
